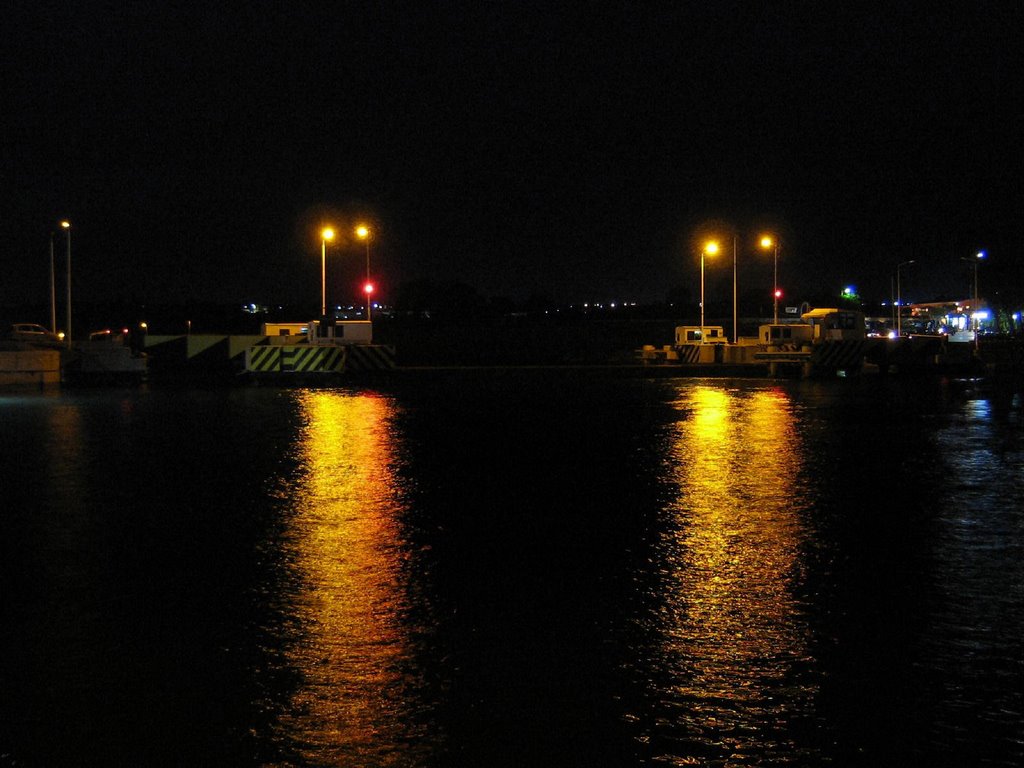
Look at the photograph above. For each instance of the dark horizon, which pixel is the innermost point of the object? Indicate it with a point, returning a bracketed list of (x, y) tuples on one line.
[(521, 150)]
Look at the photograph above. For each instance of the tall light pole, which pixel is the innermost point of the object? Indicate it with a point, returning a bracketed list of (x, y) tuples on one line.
[(975, 321), (325, 234), (67, 228), (363, 233), (735, 303), (53, 291), (710, 248), (768, 242), (899, 297)]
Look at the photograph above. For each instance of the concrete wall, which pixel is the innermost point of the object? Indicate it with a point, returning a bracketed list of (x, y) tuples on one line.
[(37, 367)]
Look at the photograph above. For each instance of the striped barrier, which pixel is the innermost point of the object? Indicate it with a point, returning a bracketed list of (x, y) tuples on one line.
[(295, 359), (688, 353), (263, 359), (838, 355), (299, 359), (370, 357)]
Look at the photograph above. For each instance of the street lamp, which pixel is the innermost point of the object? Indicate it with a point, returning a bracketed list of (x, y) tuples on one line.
[(735, 301), (53, 292), (768, 242), (363, 233), (710, 248), (975, 321), (67, 228), (899, 297), (325, 234)]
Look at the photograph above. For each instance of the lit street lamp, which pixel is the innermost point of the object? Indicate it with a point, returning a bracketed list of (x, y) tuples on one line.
[(326, 234), (975, 321), (735, 300), (363, 233), (710, 248), (768, 242), (899, 297), (67, 228)]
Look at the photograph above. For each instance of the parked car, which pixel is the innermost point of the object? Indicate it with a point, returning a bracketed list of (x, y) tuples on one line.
[(33, 335)]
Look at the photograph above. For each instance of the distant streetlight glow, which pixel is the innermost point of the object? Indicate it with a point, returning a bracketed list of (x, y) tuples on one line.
[(975, 319), (363, 233), (325, 234), (67, 228), (768, 242), (710, 248)]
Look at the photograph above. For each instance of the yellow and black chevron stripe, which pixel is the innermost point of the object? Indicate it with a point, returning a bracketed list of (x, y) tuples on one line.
[(688, 353), (845, 354), (370, 357), (295, 359), (263, 359), (313, 359)]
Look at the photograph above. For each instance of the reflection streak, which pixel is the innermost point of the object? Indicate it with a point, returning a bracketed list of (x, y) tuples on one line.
[(356, 696), (728, 631)]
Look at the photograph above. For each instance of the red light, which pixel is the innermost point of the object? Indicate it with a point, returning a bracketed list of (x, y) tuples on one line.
[(368, 289), (778, 293)]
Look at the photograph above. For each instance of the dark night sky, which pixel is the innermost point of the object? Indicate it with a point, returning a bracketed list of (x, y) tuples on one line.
[(519, 147)]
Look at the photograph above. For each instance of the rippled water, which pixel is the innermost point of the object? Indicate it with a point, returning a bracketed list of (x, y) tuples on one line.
[(514, 568)]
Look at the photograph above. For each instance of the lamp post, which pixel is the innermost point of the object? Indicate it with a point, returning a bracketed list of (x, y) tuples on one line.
[(363, 233), (899, 298), (735, 302), (325, 234), (710, 248), (53, 291), (975, 321), (768, 242), (67, 228)]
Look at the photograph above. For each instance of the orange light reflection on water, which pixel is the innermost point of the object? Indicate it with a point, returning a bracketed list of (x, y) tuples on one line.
[(729, 623), (354, 700)]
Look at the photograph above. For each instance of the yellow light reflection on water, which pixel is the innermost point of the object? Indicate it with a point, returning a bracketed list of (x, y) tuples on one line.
[(730, 627), (355, 699)]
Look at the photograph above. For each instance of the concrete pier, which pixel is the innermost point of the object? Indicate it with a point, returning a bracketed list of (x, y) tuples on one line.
[(35, 367)]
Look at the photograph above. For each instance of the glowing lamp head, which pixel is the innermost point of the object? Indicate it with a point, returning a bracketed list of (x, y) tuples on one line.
[(362, 232), (327, 233), (66, 224), (368, 288), (711, 248), (767, 242)]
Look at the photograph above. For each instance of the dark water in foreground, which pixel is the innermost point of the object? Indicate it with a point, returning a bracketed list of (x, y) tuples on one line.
[(514, 569)]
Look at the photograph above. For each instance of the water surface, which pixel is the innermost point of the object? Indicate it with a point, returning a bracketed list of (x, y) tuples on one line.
[(514, 568)]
